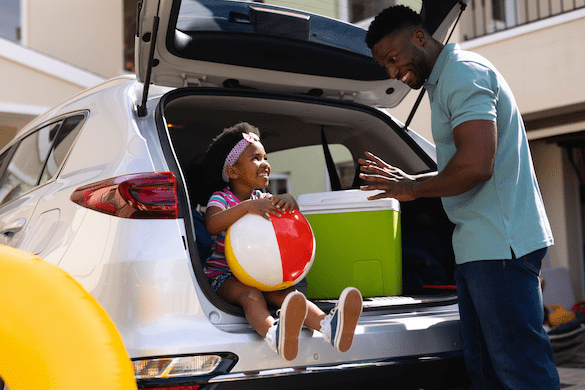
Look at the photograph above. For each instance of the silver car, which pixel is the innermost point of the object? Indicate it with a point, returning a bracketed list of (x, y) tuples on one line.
[(109, 187)]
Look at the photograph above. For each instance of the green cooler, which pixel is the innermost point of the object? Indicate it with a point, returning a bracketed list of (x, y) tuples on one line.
[(358, 243)]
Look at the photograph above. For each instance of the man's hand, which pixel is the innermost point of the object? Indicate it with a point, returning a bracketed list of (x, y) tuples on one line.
[(394, 182), (470, 166)]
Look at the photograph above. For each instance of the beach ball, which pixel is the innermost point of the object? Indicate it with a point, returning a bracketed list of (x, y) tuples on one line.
[(270, 255)]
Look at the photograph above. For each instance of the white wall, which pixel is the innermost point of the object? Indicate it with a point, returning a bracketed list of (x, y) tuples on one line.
[(85, 33)]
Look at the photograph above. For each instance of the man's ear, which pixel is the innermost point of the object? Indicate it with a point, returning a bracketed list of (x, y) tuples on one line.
[(419, 37), (232, 172)]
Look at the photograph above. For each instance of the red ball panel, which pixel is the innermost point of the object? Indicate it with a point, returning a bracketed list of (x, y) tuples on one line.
[(296, 243)]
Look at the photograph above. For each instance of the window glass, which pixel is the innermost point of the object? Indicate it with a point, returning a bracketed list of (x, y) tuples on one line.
[(130, 12), (26, 165), (363, 9), (279, 183), (4, 160), (63, 143), (198, 17), (10, 19), (305, 170)]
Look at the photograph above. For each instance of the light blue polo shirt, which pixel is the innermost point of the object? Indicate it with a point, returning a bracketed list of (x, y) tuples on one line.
[(506, 213)]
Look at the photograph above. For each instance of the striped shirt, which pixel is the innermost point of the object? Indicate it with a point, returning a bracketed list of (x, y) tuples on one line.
[(217, 264)]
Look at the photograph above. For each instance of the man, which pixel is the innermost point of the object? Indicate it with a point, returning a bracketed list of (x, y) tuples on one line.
[(489, 190)]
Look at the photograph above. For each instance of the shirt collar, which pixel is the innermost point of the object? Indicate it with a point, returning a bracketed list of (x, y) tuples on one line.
[(439, 64)]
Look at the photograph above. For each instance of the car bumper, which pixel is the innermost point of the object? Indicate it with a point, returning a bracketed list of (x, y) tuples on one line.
[(446, 371)]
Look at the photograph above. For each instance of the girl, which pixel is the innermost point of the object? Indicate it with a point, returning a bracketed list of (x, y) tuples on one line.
[(237, 167)]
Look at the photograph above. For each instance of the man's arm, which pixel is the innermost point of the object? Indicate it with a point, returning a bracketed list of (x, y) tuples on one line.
[(472, 163)]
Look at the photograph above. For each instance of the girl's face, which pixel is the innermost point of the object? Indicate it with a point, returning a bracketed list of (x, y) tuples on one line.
[(252, 167)]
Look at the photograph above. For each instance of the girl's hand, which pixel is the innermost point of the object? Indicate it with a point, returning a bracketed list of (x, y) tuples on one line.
[(284, 202), (263, 207)]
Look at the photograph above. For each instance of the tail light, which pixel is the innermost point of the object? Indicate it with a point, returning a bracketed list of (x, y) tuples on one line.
[(181, 372), (139, 196)]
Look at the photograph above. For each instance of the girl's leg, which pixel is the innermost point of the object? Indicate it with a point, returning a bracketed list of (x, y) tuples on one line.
[(251, 300), (314, 314), (338, 327), (282, 335)]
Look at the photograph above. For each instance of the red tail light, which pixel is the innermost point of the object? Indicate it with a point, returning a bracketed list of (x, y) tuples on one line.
[(139, 196)]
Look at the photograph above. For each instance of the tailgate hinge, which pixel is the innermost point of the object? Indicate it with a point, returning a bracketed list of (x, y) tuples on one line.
[(193, 80), (347, 96)]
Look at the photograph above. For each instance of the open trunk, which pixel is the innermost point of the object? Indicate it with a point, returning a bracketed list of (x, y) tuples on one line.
[(298, 132)]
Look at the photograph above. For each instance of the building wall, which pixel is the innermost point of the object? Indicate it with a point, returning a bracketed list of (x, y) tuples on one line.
[(560, 191), (33, 82), (20, 85), (86, 33), (542, 66), (327, 8)]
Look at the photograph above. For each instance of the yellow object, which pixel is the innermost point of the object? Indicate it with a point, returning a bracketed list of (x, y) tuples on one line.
[(53, 333), (558, 315)]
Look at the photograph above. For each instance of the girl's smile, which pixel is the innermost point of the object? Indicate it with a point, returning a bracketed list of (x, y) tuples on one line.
[(252, 167)]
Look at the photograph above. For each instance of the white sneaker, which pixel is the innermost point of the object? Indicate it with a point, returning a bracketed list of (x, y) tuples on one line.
[(339, 325), (287, 327)]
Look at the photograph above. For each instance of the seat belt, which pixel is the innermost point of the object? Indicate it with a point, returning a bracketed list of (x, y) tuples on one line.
[(333, 176)]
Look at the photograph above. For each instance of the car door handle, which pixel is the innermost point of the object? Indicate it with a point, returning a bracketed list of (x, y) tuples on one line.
[(13, 227)]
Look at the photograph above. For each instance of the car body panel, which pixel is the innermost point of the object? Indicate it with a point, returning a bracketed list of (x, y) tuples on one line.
[(15, 216)]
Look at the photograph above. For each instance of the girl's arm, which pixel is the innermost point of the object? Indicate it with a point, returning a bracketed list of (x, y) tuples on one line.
[(218, 220)]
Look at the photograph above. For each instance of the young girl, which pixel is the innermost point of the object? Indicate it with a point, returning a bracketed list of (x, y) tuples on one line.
[(237, 167)]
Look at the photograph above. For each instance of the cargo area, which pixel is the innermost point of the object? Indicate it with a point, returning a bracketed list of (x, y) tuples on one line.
[(398, 254)]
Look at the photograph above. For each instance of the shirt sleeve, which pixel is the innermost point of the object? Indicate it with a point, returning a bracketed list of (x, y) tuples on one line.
[(217, 200), (257, 194), (470, 92)]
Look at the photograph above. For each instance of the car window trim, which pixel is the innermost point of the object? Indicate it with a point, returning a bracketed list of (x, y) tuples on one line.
[(63, 120)]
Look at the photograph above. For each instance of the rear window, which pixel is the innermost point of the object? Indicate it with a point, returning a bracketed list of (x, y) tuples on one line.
[(269, 37), (303, 170)]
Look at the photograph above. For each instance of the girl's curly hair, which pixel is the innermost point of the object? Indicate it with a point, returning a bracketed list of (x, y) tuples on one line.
[(219, 149)]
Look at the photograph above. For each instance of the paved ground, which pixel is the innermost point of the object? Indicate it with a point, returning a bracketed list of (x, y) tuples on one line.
[(572, 378)]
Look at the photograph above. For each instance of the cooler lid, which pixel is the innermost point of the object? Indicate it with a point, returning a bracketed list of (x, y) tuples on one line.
[(344, 202)]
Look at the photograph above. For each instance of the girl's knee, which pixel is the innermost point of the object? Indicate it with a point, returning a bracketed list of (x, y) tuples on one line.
[(250, 295), (277, 297)]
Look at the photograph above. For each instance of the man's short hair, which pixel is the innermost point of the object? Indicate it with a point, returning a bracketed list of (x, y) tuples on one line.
[(391, 20)]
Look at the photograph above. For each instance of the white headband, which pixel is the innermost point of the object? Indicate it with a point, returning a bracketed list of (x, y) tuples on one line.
[(235, 153)]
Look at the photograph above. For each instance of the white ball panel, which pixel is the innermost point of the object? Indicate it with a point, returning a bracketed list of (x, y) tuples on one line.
[(256, 249)]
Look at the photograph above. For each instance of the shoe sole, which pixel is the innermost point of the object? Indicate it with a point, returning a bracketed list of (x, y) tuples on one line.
[(351, 307), (292, 316)]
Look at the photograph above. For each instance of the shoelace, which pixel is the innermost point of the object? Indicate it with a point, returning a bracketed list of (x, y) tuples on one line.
[(330, 315)]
